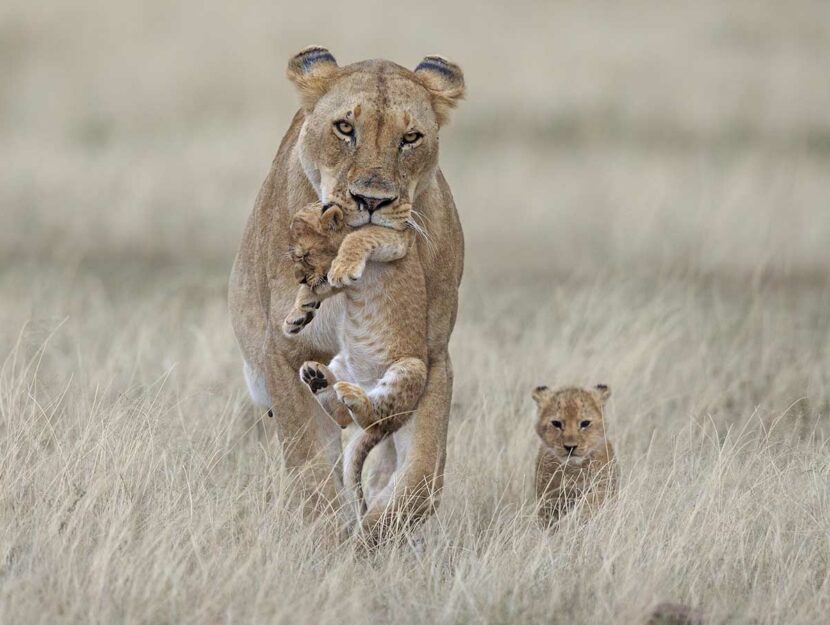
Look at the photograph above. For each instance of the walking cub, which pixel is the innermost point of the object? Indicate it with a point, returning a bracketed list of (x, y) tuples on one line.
[(380, 372), (575, 458)]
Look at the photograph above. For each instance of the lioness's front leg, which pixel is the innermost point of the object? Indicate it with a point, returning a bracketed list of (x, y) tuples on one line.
[(374, 243), (414, 490), (310, 441)]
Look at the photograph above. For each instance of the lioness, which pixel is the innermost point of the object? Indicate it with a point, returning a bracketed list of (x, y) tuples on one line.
[(366, 138), (382, 334), (575, 458)]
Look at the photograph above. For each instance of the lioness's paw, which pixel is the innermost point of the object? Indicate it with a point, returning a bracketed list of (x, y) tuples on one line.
[(316, 376), (355, 399), (345, 272), (296, 320)]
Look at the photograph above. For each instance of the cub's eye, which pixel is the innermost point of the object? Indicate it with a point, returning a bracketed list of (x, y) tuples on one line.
[(411, 138), (584, 424), (557, 424), (344, 128)]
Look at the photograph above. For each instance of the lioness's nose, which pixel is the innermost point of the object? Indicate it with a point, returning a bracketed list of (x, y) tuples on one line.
[(570, 448), (371, 204)]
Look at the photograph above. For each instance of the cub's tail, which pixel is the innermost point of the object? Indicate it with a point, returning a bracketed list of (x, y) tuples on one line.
[(365, 443)]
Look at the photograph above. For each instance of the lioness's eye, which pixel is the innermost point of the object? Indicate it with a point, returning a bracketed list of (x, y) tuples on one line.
[(344, 128), (411, 137), (584, 424), (557, 424)]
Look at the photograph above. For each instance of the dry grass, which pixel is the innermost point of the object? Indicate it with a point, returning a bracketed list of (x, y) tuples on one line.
[(656, 217)]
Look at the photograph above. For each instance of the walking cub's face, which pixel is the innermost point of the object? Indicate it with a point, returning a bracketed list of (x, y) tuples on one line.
[(570, 421), (316, 232)]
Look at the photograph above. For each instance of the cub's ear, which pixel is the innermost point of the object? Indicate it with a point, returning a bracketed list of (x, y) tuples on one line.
[(312, 70), (602, 392), (445, 81), (303, 223), (540, 393), (331, 218)]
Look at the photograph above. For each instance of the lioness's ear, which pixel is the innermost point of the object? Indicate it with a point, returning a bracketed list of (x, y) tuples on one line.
[(445, 81), (331, 218), (312, 70), (540, 393), (602, 392)]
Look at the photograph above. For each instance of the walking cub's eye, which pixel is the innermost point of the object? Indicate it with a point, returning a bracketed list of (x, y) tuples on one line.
[(344, 128), (411, 138), (584, 424), (557, 424)]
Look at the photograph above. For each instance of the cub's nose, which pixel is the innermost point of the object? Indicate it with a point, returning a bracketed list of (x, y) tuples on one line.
[(570, 448), (371, 204)]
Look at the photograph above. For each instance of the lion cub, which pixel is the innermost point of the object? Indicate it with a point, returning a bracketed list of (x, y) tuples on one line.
[(575, 458), (380, 372)]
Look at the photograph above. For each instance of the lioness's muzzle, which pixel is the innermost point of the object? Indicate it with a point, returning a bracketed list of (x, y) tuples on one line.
[(371, 203)]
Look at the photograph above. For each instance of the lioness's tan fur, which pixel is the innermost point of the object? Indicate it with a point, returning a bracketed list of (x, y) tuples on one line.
[(384, 101)]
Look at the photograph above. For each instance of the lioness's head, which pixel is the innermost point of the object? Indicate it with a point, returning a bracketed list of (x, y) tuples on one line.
[(570, 421), (316, 232), (369, 140)]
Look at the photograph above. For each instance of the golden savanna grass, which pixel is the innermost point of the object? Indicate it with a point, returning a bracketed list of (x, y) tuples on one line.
[(646, 204)]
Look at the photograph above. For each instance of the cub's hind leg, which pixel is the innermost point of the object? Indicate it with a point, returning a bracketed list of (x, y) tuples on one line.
[(393, 398), (321, 381), (306, 304)]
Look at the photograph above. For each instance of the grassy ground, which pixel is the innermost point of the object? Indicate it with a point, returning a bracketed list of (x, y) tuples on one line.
[(644, 193)]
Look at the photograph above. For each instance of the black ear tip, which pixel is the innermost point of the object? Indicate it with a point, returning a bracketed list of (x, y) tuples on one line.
[(543, 387), (436, 58), (310, 49), (439, 64), (306, 58), (602, 387)]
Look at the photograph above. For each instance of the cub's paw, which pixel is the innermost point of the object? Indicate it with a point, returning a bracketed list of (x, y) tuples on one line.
[(345, 272), (317, 376), (296, 320), (355, 399), (310, 305)]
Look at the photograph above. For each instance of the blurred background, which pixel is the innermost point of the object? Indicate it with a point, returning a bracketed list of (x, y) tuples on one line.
[(645, 192), (637, 134)]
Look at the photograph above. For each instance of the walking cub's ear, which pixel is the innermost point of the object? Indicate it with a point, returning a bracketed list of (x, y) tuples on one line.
[(445, 82), (312, 70), (331, 218), (540, 394), (602, 392)]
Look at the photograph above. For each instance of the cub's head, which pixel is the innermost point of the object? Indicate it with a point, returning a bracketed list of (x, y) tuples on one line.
[(570, 421), (316, 232), (369, 140)]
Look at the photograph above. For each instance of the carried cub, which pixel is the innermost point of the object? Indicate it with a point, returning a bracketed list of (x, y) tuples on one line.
[(576, 460), (380, 372)]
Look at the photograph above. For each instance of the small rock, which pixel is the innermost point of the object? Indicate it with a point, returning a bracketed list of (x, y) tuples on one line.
[(675, 614)]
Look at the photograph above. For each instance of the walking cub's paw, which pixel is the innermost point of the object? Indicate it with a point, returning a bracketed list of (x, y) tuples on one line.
[(346, 271), (355, 398), (316, 376)]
